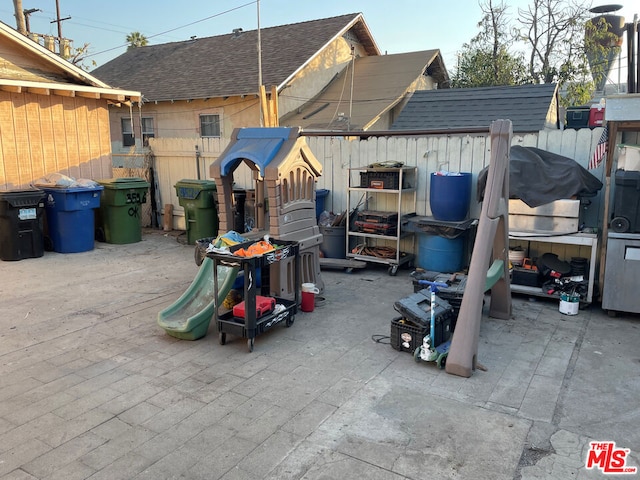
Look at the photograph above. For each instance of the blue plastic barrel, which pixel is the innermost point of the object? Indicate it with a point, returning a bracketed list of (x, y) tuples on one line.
[(440, 254), (449, 196), (70, 217)]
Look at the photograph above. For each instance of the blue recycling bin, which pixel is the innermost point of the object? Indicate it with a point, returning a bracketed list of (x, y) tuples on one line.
[(71, 218), (321, 194)]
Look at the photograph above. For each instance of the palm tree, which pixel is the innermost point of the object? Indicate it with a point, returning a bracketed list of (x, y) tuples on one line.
[(136, 39)]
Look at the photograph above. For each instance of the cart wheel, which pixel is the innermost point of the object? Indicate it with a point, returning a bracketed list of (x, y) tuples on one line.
[(620, 225), (612, 313), (416, 354), (222, 338), (393, 270), (290, 321), (442, 361), (198, 256), (250, 344)]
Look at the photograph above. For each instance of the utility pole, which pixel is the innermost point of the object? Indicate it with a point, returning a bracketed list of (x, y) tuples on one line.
[(59, 20), (27, 13), (260, 91)]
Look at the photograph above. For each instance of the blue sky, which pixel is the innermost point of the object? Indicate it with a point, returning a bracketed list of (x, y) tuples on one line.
[(397, 25)]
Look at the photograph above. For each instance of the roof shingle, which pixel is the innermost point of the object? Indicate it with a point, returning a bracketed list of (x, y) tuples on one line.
[(224, 65), (527, 106)]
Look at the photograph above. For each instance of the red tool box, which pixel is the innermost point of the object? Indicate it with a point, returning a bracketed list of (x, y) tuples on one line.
[(381, 223), (264, 305)]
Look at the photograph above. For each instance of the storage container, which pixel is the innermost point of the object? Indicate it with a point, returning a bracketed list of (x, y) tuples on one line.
[(440, 254), (321, 195), (71, 217), (406, 336), (21, 224), (417, 309), (449, 196), (119, 218), (626, 204), (198, 198), (596, 115), (578, 117), (381, 180)]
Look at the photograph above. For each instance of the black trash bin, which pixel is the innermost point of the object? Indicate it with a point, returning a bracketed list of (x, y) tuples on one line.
[(21, 224)]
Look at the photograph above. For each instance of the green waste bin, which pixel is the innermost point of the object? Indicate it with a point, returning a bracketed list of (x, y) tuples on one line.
[(198, 198), (119, 218)]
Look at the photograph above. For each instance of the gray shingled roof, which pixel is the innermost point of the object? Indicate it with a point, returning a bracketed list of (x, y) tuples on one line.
[(527, 106), (379, 83), (226, 65)]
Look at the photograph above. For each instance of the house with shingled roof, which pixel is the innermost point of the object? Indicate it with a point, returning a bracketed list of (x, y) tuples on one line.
[(196, 92), (206, 87), (54, 116), (531, 108)]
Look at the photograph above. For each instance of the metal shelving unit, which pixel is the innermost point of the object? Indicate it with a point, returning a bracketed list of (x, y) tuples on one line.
[(397, 187), (579, 239)]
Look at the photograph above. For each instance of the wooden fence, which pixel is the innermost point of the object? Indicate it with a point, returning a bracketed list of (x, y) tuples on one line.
[(176, 159)]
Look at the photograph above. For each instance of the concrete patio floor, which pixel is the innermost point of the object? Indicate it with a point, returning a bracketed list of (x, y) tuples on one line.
[(91, 387)]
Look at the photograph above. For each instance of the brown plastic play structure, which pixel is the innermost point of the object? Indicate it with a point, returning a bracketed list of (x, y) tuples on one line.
[(284, 173), (491, 247)]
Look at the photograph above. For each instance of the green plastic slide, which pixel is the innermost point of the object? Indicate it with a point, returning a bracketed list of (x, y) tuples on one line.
[(188, 317)]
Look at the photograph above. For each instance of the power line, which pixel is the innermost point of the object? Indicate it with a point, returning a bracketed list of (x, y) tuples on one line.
[(177, 28)]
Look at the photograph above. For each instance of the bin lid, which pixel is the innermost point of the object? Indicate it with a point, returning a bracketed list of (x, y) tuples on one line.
[(124, 183), (200, 184), (72, 189), (23, 196)]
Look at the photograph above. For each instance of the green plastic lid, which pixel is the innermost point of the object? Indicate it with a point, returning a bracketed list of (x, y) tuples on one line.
[(201, 184)]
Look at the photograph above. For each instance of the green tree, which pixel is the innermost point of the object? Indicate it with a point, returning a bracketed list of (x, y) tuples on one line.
[(136, 39), (78, 57), (486, 61), (555, 37)]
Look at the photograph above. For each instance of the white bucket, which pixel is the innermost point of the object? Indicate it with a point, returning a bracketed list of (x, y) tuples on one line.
[(569, 305)]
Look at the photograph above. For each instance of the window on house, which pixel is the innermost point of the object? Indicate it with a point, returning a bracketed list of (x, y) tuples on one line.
[(147, 130), (128, 139), (209, 125)]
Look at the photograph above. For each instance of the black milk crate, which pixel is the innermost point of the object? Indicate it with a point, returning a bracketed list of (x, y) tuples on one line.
[(417, 308), (381, 180), (406, 336), (377, 228)]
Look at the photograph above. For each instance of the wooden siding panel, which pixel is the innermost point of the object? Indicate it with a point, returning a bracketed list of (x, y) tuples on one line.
[(21, 136), (71, 132), (84, 152), (59, 136), (48, 132), (11, 169), (34, 132)]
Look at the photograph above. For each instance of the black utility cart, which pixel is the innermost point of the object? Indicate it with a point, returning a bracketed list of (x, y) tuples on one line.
[(285, 310)]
